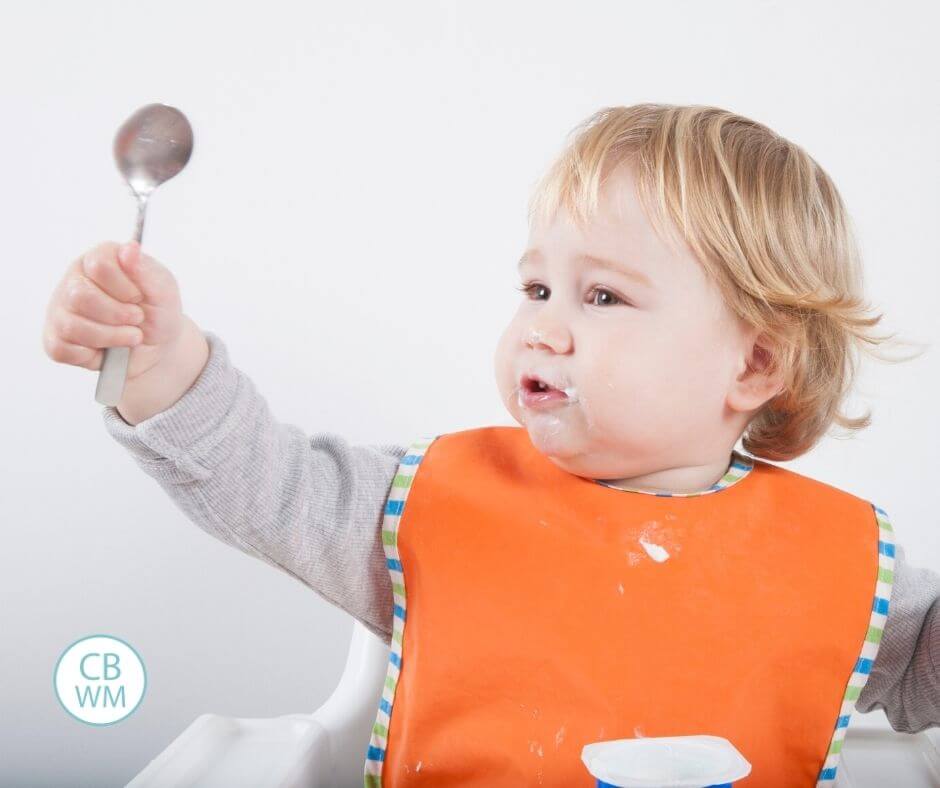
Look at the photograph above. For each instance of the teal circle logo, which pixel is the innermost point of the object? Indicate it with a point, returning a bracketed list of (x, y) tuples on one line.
[(100, 679)]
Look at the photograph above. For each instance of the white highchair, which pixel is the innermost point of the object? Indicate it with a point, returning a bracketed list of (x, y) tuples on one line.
[(327, 749)]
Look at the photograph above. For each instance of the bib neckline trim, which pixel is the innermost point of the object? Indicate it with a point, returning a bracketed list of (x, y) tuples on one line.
[(741, 465)]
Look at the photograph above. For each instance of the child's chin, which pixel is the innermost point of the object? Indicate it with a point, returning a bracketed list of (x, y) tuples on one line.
[(551, 436)]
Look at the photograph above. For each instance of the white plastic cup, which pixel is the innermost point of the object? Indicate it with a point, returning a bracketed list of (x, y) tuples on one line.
[(665, 762)]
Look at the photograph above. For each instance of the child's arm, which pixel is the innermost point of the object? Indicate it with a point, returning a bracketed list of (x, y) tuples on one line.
[(905, 679), (311, 505)]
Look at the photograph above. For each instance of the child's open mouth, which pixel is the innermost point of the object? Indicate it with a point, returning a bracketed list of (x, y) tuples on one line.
[(538, 395)]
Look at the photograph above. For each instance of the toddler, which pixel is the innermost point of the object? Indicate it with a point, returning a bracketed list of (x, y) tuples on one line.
[(614, 566)]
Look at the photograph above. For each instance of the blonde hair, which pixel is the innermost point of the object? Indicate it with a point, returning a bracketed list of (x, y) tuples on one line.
[(768, 226)]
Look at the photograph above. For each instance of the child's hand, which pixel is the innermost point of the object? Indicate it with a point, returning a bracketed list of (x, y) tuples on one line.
[(113, 295)]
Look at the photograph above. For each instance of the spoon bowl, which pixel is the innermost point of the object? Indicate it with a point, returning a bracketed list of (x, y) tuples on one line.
[(152, 146)]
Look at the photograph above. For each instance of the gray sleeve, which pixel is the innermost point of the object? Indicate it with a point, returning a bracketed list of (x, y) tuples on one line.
[(905, 678), (310, 505)]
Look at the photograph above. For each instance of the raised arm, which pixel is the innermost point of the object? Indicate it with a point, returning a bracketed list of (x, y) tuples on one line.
[(308, 504)]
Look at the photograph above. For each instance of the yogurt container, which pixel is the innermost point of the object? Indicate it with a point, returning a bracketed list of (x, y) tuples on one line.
[(665, 762)]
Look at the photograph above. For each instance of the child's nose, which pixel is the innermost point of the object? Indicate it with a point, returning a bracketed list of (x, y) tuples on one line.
[(556, 338)]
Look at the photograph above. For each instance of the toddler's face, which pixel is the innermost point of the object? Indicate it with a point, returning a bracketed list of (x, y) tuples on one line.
[(651, 357)]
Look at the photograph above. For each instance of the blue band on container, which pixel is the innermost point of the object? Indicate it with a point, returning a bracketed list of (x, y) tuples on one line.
[(602, 784)]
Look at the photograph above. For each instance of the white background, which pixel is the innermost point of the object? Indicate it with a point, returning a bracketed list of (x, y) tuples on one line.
[(349, 224)]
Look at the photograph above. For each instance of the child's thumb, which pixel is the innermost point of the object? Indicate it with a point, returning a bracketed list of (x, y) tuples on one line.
[(134, 263)]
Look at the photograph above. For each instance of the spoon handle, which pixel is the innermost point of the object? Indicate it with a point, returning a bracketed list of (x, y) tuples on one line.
[(113, 373)]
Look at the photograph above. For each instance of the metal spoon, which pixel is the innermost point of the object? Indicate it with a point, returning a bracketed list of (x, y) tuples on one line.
[(151, 147)]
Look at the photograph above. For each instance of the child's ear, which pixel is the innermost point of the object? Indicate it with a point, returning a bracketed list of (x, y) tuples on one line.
[(759, 381)]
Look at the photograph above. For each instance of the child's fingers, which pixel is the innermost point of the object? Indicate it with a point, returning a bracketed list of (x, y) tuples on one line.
[(66, 353), (78, 330), (101, 266), (85, 298)]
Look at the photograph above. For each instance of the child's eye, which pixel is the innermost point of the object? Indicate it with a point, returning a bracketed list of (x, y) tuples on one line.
[(528, 287)]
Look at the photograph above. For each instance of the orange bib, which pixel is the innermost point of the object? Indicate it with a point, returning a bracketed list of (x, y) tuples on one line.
[(537, 611)]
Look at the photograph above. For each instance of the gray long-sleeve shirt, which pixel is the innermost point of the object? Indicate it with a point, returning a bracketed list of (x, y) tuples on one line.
[(312, 505)]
